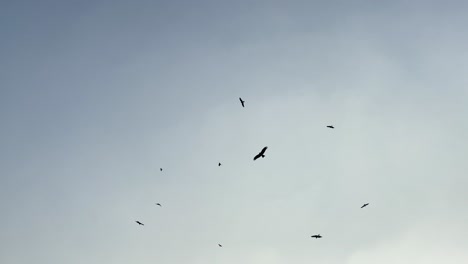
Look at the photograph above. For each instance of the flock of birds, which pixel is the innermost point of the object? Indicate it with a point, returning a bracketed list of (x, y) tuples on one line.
[(262, 155)]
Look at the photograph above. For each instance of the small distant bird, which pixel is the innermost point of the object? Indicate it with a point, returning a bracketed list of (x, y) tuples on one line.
[(242, 102), (331, 127), (316, 236), (160, 169), (219, 164), (140, 223), (365, 205), (158, 204), (261, 154), (219, 245)]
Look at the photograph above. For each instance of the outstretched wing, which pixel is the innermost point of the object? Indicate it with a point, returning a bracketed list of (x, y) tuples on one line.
[(257, 156)]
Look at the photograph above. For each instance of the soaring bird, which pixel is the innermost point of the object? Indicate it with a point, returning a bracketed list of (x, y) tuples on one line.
[(365, 205), (261, 154), (316, 236), (242, 102), (160, 169), (219, 164), (158, 204), (331, 127), (219, 245), (140, 223)]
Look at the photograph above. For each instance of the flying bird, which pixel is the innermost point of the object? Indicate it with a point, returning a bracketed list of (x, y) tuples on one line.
[(219, 164), (158, 204), (160, 169), (365, 205), (219, 245), (242, 102), (140, 223), (316, 236), (261, 154), (331, 127)]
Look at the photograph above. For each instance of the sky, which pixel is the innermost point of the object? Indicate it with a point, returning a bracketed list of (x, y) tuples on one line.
[(96, 96)]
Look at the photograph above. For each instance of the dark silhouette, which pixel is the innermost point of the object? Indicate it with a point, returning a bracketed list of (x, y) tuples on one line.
[(160, 169), (316, 236), (365, 205), (219, 164), (331, 127), (242, 102), (261, 154), (219, 245), (158, 204), (140, 223)]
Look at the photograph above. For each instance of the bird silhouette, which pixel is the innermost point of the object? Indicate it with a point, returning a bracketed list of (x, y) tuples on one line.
[(242, 102), (261, 154), (331, 127), (316, 236), (219, 164), (158, 204), (219, 245), (160, 169), (364, 205), (140, 223)]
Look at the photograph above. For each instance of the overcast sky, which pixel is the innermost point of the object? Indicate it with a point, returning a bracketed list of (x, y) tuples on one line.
[(96, 96)]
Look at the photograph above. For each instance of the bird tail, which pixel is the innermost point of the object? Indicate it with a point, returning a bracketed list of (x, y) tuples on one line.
[(263, 156)]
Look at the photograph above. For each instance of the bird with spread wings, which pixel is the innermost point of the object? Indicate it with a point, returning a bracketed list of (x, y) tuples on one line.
[(242, 101), (261, 154)]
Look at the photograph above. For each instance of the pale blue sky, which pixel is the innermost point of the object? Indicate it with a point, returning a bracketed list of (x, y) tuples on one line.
[(96, 96)]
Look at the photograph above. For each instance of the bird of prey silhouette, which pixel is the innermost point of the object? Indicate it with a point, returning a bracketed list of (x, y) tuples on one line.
[(160, 169), (158, 204), (365, 205), (140, 223), (219, 164), (219, 245), (261, 154), (242, 102), (316, 236), (331, 127)]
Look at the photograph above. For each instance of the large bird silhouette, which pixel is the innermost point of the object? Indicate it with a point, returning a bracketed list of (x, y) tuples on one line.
[(158, 204), (219, 245), (316, 236), (140, 223), (261, 154), (242, 102), (331, 127), (364, 205), (160, 169), (219, 164)]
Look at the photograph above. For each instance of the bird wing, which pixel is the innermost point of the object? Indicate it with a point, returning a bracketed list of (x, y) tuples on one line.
[(257, 156), (263, 150)]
